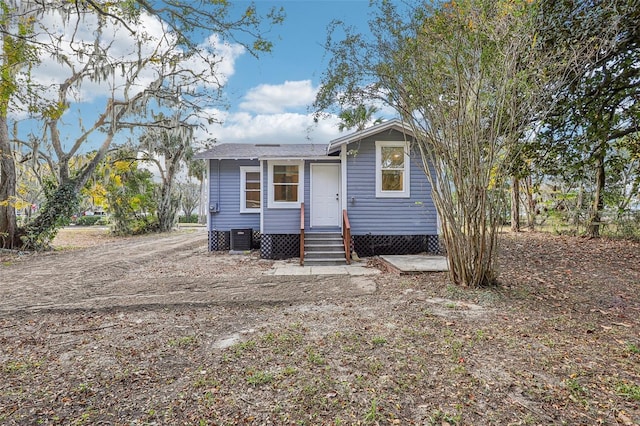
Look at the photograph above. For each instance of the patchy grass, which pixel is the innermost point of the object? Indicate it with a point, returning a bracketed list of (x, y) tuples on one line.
[(629, 391), (555, 343), (183, 341), (257, 378)]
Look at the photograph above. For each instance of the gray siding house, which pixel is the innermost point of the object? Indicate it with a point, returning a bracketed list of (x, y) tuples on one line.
[(367, 189)]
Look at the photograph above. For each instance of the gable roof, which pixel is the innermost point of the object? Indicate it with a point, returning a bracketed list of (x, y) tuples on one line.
[(237, 151), (394, 124), (245, 151)]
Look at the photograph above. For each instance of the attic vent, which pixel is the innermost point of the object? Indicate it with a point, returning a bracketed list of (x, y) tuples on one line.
[(268, 144)]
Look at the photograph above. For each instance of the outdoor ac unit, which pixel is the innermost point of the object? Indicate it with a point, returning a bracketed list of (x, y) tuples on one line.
[(241, 239)]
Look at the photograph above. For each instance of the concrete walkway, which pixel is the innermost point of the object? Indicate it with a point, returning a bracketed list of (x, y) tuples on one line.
[(403, 264), (291, 268), (407, 264)]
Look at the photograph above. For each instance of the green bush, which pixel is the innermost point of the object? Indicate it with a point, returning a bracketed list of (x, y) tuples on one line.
[(143, 225), (188, 219), (88, 220), (103, 221)]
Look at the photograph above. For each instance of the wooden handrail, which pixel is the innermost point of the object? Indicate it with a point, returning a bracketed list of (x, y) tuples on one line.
[(301, 234), (346, 235)]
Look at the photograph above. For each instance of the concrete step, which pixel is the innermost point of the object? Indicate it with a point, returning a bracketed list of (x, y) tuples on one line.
[(329, 236), (324, 247), (324, 255)]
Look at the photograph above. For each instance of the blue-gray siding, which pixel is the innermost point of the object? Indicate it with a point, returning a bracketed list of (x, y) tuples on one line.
[(386, 216), (368, 215), (287, 221), (277, 221), (225, 177)]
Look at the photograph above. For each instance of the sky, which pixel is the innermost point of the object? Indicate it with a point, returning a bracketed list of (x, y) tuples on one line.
[(269, 97)]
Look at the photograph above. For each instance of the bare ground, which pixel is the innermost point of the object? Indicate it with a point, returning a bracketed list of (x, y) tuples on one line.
[(155, 330)]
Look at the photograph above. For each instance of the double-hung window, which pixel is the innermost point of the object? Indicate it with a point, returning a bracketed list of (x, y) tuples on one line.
[(250, 189), (285, 184), (392, 169)]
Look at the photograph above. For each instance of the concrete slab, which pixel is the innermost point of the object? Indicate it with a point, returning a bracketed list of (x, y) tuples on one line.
[(328, 270), (288, 268), (406, 264)]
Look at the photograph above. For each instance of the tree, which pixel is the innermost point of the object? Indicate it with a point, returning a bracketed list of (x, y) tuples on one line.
[(198, 169), (597, 107), (468, 78), (130, 194), (357, 117), (152, 72), (97, 63), (167, 148), (17, 54), (189, 197)]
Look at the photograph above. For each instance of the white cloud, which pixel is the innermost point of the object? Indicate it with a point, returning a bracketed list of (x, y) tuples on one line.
[(284, 128), (122, 46), (273, 99)]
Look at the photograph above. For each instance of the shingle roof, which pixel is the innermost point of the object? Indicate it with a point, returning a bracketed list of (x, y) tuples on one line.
[(235, 151)]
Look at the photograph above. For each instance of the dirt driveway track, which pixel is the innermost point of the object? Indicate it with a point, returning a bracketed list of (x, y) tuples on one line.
[(154, 270), (155, 330)]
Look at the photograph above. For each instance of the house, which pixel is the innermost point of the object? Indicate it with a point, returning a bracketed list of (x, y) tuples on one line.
[(365, 192)]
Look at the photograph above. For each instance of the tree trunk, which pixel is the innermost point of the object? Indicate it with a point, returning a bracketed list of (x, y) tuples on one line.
[(168, 205), (598, 201), (530, 203), (55, 213), (167, 208), (515, 204), (203, 206), (8, 223), (63, 203), (576, 216)]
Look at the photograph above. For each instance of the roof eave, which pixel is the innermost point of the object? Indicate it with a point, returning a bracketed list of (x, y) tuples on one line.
[(296, 158), (203, 156), (347, 139)]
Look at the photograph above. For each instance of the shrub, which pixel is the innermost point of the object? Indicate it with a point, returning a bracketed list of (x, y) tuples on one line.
[(103, 221), (193, 218), (143, 225), (88, 220)]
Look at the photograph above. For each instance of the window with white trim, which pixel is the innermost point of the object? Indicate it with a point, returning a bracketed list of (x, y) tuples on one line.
[(285, 184), (392, 169), (250, 189)]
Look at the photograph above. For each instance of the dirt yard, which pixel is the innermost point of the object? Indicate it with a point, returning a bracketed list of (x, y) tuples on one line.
[(155, 330)]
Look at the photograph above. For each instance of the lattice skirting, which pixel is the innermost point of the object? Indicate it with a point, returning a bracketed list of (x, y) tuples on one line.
[(286, 246), (373, 245), (221, 240), (279, 246)]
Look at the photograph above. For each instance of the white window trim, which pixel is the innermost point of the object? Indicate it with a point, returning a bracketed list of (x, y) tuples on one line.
[(243, 188), (406, 192), (286, 204)]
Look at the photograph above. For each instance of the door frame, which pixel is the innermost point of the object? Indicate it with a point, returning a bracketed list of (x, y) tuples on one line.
[(338, 170)]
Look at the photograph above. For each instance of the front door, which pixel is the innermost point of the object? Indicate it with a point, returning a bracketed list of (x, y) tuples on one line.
[(325, 195)]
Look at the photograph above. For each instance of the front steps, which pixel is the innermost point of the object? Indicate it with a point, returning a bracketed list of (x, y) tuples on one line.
[(324, 248)]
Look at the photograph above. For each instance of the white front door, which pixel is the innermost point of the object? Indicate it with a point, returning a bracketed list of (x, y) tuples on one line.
[(325, 195)]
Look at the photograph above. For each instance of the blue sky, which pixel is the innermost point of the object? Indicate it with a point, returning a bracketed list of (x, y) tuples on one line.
[(270, 96), (298, 52)]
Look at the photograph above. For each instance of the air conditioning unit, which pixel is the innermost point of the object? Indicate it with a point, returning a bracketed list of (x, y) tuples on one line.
[(241, 239)]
